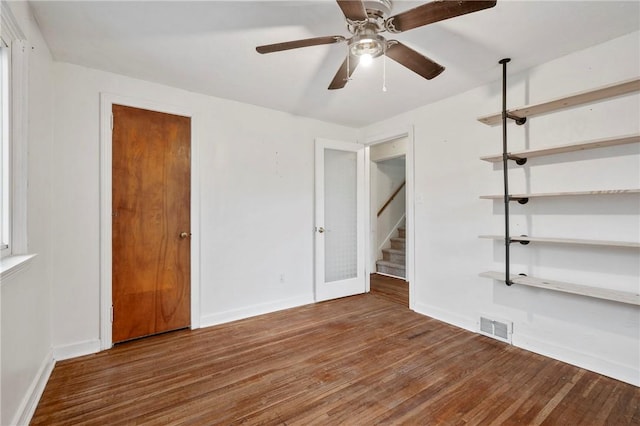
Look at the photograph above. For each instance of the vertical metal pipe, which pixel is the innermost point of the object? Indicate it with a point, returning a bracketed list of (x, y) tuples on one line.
[(505, 172)]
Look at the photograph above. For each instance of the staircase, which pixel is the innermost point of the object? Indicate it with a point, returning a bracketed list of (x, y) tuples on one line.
[(393, 259)]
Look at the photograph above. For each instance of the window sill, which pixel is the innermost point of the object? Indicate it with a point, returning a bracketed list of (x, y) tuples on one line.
[(12, 265)]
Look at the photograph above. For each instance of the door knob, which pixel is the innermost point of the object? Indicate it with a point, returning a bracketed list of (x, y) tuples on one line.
[(321, 229), (184, 235)]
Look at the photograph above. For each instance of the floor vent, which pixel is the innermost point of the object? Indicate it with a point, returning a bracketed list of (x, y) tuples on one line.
[(497, 329)]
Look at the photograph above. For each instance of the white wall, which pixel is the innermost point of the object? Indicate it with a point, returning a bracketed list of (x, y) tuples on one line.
[(256, 200), (599, 335), (26, 334)]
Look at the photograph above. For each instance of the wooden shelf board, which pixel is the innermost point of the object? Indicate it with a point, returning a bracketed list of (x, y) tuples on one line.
[(571, 241), (588, 96), (564, 194), (597, 292), (580, 146)]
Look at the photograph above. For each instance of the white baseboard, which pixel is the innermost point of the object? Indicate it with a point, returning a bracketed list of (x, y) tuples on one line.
[(30, 401), (446, 316), (624, 373), (76, 349), (251, 311)]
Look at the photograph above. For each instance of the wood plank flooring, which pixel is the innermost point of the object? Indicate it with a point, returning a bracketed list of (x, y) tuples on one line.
[(393, 289), (359, 360)]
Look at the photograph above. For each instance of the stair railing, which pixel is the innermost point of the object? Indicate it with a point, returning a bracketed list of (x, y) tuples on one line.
[(391, 198)]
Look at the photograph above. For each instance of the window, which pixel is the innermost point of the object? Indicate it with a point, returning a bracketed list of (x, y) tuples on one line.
[(13, 140), (5, 184)]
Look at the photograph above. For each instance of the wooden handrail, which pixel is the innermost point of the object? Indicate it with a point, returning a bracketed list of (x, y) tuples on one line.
[(391, 198)]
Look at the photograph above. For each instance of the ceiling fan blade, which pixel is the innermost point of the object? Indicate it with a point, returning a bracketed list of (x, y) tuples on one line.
[(413, 60), (434, 11), (353, 9), (316, 41), (341, 77)]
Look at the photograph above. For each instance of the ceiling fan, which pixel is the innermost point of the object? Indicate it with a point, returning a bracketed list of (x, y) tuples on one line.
[(366, 19)]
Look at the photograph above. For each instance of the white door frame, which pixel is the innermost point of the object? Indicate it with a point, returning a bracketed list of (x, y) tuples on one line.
[(106, 102), (362, 211), (410, 240)]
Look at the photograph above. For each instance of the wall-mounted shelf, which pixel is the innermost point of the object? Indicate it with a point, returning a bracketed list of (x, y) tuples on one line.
[(520, 116), (569, 241), (597, 292), (580, 146), (575, 99), (516, 197)]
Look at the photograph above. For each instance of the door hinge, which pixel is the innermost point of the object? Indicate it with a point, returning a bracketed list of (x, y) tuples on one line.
[(111, 313), (111, 121)]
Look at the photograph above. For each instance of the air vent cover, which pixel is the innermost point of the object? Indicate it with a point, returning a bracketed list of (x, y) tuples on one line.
[(496, 328)]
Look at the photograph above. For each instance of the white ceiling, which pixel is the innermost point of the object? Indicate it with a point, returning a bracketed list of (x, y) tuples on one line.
[(209, 47)]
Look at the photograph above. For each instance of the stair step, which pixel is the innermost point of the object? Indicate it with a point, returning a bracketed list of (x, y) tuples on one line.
[(402, 232), (390, 268), (398, 243), (394, 255)]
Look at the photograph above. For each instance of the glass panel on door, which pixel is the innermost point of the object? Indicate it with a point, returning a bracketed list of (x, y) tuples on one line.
[(340, 215)]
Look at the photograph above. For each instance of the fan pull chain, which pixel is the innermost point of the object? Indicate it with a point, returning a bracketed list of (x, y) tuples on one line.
[(384, 68), (348, 56)]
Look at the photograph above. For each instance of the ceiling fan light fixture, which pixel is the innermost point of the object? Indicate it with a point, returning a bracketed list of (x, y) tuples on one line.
[(370, 46), (365, 60)]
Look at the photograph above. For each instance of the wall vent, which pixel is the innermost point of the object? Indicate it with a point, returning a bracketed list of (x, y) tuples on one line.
[(496, 328)]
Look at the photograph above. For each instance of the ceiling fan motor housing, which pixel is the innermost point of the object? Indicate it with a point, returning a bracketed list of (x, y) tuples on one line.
[(366, 40), (377, 12), (378, 8)]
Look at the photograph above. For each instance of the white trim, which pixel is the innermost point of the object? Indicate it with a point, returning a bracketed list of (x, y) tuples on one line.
[(410, 212), (18, 131), (371, 181), (19, 145), (10, 30), (106, 102), (368, 266), (13, 265), (29, 403), (624, 373), (251, 311), (449, 317), (409, 194), (75, 350), (389, 136)]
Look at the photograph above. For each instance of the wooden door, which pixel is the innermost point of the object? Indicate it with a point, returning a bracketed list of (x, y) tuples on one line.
[(150, 222)]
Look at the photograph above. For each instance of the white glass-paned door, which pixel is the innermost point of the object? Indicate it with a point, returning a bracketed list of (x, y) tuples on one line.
[(339, 219), (340, 215)]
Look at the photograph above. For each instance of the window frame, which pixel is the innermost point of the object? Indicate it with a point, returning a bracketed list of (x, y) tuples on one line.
[(5, 154), (14, 137)]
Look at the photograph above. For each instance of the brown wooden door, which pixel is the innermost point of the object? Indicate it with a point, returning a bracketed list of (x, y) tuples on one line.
[(151, 222)]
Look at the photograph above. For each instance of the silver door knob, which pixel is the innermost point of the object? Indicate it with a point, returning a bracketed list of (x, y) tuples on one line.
[(321, 229), (184, 235)]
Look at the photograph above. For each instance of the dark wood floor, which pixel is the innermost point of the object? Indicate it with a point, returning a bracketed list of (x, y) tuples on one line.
[(359, 360)]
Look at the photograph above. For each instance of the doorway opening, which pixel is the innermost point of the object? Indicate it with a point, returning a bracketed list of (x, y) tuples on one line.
[(388, 218)]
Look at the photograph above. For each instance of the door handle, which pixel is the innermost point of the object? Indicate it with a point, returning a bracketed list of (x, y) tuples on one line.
[(184, 235), (320, 229)]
